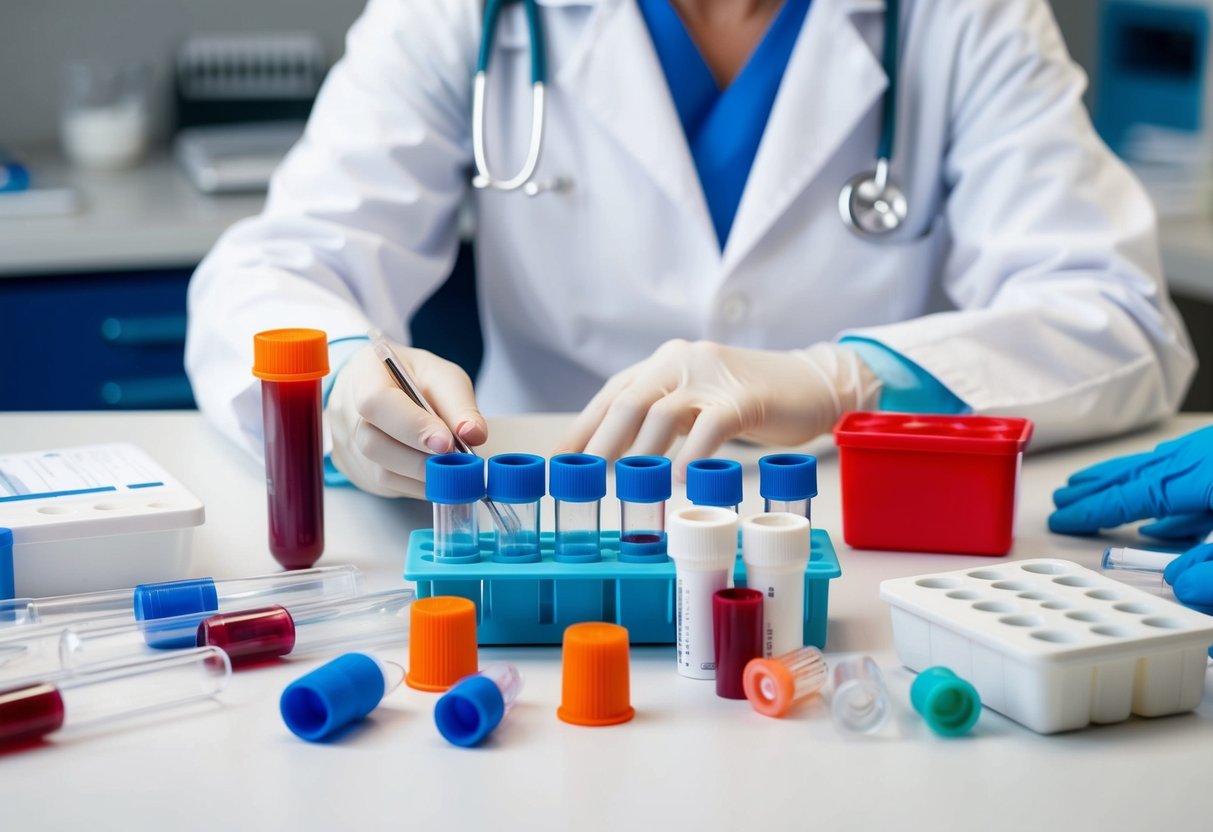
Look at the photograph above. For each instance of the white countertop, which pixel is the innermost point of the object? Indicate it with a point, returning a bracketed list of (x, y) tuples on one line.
[(689, 760)]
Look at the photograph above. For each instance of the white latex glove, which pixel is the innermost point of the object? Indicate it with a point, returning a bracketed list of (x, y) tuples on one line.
[(713, 393), (380, 438)]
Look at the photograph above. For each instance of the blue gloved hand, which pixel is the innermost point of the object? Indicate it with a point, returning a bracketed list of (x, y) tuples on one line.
[(1191, 576), (1173, 483)]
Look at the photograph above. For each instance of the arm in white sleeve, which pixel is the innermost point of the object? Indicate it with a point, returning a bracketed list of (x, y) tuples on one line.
[(1063, 315), (361, 221)]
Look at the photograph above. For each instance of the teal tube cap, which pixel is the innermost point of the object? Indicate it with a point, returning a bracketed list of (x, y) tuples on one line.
[(948, 704)]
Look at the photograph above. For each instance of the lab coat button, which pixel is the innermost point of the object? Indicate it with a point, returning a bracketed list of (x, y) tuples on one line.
[(734, 308)]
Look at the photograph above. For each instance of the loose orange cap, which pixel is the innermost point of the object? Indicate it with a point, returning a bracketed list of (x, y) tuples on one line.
[(442, 642), (290, 354), (769, 686), (596, 686)]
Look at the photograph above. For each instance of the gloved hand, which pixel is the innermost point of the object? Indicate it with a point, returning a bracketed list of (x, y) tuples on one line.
[(713, 393), (1191, 576), (380, 438), (1173, 483)]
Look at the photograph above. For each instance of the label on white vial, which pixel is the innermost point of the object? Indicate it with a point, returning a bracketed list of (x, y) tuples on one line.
[(693, 621), (782, 609)]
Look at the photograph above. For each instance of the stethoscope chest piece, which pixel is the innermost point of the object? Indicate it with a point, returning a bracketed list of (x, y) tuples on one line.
[(871, 204)]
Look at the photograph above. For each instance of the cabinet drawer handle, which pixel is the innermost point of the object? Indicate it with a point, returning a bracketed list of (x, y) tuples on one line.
[(146, 330), (167, 391)]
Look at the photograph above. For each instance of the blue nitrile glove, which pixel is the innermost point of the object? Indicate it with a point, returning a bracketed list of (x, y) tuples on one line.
[(1173, 483), (1191, 576)]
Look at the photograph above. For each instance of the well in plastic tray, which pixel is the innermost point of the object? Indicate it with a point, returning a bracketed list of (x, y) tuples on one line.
[(532, 603), (1051, 644)]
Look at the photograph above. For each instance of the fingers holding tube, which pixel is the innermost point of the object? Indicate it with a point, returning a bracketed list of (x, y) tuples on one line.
[(450, 392), (1193, 557), (1194, 587)]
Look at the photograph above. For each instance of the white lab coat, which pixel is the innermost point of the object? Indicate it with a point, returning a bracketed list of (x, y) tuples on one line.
[(1027, 279)]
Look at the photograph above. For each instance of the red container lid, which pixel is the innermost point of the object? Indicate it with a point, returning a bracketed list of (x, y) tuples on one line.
[(990, 435)]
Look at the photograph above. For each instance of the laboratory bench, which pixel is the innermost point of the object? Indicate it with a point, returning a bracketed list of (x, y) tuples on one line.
[(688, 760)]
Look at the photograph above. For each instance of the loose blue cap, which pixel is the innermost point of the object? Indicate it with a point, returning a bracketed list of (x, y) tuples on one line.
[(714, 482), (517, 478), (469, 711), (332, 696), (947, 703), (787, 477), (577, 478), (643, 479), (7, 589), (453, 479)]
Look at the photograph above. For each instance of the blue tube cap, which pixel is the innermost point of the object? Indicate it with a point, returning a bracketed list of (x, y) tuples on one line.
[(517, 478), (787, 477), (469, 712), (345, 690), (7, 588), (577, 478), (714, 482), (454, 479), (948, 704), (643, 479)]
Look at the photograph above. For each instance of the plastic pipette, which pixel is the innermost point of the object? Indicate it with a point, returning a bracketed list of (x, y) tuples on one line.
[(32, 709)]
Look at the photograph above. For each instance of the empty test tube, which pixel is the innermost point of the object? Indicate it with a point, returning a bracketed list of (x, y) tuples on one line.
[(454, 483), (33, 709), (715, 482), (578, 484), (1147, 564), (321, 703), (255, 635), (642, 484), (170, 598), (516, 485), (775, 685), (860, 700), (788, 483), (474, 707)]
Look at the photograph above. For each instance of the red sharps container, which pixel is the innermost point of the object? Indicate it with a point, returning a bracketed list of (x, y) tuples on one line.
[(290, 364)]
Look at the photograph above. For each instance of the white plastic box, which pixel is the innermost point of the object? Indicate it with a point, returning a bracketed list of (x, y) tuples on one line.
[(1051, 644), (94, 517)]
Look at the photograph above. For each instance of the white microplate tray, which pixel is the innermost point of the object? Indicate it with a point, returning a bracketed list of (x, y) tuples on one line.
[(94, 517), (1051, 644)]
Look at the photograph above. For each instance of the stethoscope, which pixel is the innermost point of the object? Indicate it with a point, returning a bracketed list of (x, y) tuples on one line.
[(871, 204)]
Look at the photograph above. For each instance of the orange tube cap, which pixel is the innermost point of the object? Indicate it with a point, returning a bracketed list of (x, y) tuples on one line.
[(442, 642), (290, 354), (769, 686), (596, 688)]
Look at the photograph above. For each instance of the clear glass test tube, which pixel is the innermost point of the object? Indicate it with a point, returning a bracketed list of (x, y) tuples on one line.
[(476, 705), (516, 484), (167, 598), (715, 482), (643, 485), (775, 685), (788, 483), (454, 483), (1141, 568), (860, 700), (254, 635), (578, 484), (32, 709)]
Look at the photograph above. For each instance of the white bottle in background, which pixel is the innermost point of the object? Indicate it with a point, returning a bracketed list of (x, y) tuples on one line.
[(775, 548), (702, 542)]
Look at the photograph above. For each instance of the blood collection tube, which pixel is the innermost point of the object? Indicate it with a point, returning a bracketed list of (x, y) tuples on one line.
[(257, 634), (516, 485), (100, 695), (290, 364), (788, 482), (319, 704), (454, 483), (715, 482), (1140, 567), (642, 484), (775, 548), (193, 595), (578, 484), (860, 700), (775, 685), (737, 634), (703, 546), (475, 706)]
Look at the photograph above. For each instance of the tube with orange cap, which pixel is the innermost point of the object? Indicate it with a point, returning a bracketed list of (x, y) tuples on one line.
[(775, 685), (290, 364)]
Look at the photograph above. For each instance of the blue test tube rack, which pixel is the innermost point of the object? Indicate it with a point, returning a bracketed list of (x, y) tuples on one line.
[(522, 603)]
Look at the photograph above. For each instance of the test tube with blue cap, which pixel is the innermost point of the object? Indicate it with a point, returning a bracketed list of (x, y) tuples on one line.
[(643, 485), (318, 705), (788, 483), (715, 482), (475, 706), (454, 483), (516, 485), (578, 484)]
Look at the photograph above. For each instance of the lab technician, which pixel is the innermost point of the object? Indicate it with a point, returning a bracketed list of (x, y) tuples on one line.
[(748, 216)]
